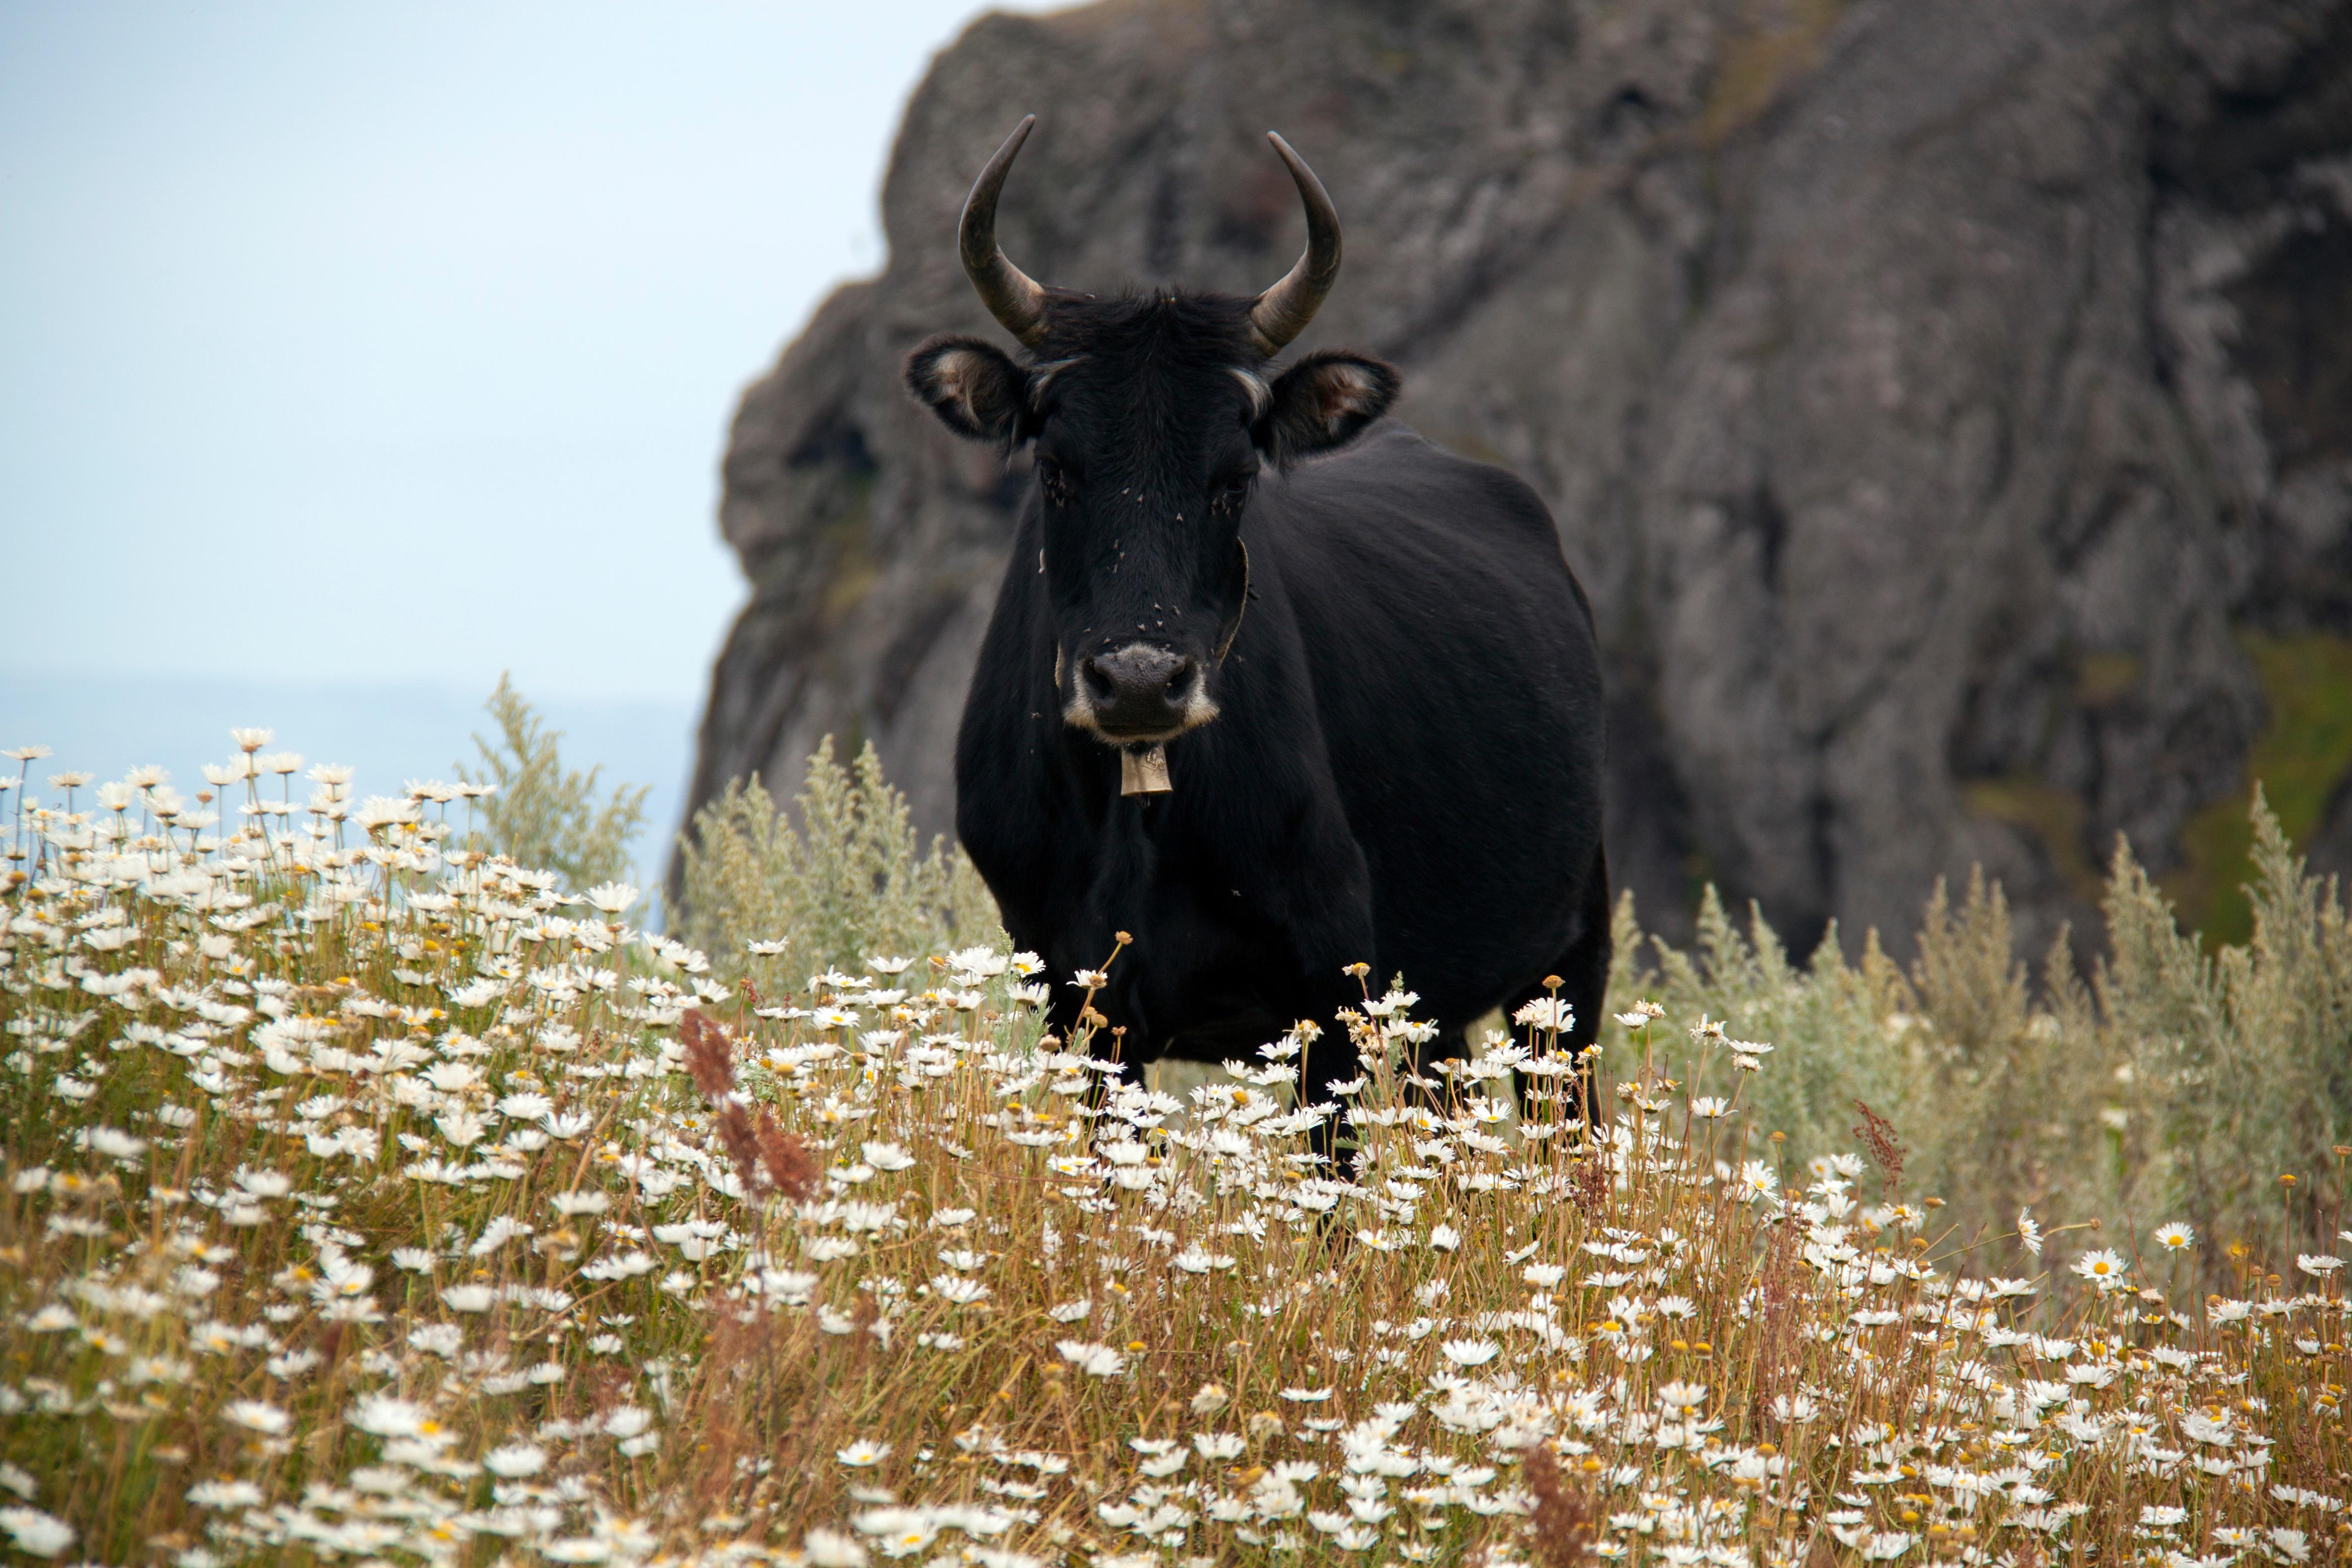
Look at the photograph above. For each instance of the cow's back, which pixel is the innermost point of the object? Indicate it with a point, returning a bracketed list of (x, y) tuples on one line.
[(1458, 688)]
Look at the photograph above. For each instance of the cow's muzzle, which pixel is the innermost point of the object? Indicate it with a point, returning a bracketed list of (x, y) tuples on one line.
[(1138, 694)]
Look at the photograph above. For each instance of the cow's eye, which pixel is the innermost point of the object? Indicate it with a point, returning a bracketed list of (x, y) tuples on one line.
[(1234, 494), (1055, 480)]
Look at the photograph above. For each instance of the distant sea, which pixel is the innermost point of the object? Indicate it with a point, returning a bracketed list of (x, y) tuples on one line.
[(108, 725)]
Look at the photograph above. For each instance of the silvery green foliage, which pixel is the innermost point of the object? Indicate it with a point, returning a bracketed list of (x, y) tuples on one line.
[(1995, 1108), (841, 875), (543, 814), (2240, 1061), (2173, 1082)]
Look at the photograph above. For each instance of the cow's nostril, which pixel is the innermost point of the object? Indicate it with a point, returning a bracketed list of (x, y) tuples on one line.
[(1099, 683), (1180, 681)]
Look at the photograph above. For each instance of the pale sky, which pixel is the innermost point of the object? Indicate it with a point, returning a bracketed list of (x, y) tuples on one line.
[(350, 345)]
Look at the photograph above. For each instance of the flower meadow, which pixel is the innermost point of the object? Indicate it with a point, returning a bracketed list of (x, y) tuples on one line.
[(374, 1198)]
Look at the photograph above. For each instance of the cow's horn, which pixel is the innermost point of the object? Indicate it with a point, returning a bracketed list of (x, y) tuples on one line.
[(1282, 312), (1011, 295)]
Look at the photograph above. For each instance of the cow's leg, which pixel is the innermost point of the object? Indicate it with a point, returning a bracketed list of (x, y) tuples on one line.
[(1319, 894), (1129, 1051), (1583, 972), (1091, 940), (1329, 1058), (1062, 1009)]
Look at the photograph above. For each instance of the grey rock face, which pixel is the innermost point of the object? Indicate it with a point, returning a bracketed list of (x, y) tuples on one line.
[(1927, 391)]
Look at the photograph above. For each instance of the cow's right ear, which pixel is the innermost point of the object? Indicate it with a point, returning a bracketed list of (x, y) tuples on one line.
[(972, 385)]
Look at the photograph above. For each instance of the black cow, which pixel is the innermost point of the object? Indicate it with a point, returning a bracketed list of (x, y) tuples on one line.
[(1270, 698)]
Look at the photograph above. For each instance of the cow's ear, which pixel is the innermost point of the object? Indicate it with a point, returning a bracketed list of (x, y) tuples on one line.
[(972, 385), (1323, 402)]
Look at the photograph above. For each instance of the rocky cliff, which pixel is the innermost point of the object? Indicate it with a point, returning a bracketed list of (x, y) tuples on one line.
[(1947, 402)]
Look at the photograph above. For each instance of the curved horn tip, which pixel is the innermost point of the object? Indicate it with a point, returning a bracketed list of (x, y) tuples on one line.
[(1297, 166), (999, 164), (1282, 313), (1011, 296)]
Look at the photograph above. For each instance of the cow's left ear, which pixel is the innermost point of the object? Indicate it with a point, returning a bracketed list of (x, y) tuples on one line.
[(1323, 402), (971, 385)]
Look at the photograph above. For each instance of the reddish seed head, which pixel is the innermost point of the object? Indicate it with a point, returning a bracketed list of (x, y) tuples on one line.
[(710, 1058)]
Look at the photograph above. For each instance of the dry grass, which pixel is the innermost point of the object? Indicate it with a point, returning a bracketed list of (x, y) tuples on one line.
[(369, 1202)]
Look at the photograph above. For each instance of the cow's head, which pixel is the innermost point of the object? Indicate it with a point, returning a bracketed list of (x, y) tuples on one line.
[(1149, 417)]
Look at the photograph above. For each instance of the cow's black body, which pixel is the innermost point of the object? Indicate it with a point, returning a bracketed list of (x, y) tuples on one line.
[(1373, 676), (1406, 771)]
